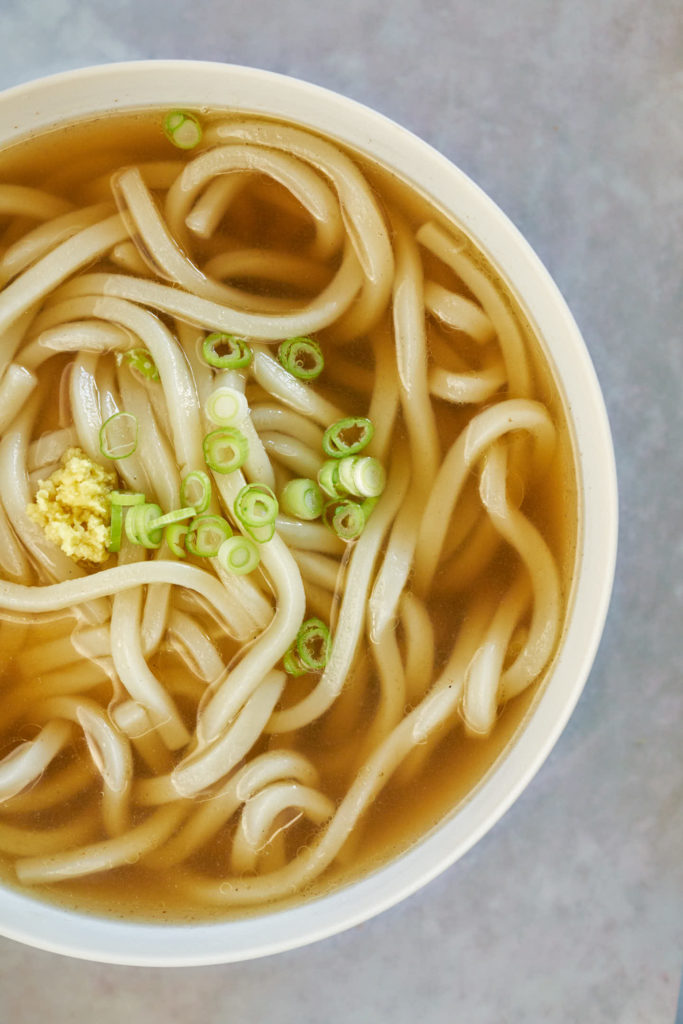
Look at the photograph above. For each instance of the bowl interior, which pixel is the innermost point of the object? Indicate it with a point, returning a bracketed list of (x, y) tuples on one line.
[(42, 105)]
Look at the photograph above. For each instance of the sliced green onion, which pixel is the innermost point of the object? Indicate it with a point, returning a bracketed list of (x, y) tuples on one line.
[(226, 351), (292, 664), (227, 407), (120, 500), (175, 535), (368, 506), (256, 508), (238, 555), (347, 436), (226, 449), (139, 529), (141, 361), (126, 498), (182, 129), (206, 534), (302, 498), (301, 357), (328, 478), (310, 651), (119, 435), (362, 475), (345, 518), (115, 528), (313, 644), (176, 516), (198, 480)]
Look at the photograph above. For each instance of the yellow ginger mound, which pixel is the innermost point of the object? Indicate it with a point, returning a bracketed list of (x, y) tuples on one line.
[(72, 507)]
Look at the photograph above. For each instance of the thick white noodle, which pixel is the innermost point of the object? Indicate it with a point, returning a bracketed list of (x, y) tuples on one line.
[(471, 444), (297, 177), (214, 759), (102, 856), (348, 631), (27, 762), (525, 538), (363, 219), (320, 312), (258, 820), (277, 381), (42, 239), (450, 251), (43, 276), (458, 313), (16, 386)]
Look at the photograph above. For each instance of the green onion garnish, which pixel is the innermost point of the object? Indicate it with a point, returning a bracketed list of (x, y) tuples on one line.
[(174, 535), (225, 450), (139, 528), (119, 435), (182, 129), (126, 498), (362, 475), (345, 518), (206, 534), (328, 478), (120, 500), (115, 528), (347, 436), (141, 361), (302, 498), (178, 515), (256, 508), (195, 490), (301, 357), (238, 555), (226, 351), (311, 649), (226, 407), (313, 644), (292, 664)]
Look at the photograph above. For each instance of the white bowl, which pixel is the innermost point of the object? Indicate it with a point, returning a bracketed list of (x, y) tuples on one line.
[(46, 103)]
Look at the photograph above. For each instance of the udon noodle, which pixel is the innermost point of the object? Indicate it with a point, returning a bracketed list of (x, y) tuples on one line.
[(151, 734)]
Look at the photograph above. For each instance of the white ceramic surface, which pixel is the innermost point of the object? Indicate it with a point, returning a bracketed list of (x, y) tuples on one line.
[(43, 104)]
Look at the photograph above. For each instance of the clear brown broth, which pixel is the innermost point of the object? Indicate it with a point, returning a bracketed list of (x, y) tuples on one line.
[(403, 813)]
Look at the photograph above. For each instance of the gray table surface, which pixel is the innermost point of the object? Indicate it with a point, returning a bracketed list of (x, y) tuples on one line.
[(570, 115)]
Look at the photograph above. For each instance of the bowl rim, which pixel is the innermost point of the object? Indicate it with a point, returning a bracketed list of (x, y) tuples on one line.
[(37, 105)]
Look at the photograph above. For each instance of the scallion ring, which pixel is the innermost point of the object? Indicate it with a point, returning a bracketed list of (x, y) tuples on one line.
[(362, 475), (345, 518), (141, 361), (206, 534), (347, 436), (302, 357), (227, 407), (195, 490), (292, 664), (182, 129), (226, 351), (175, 535), (178, 515), (119, 435), (328, 478), (302, 498), (126, 498), (139, 529), (115, 528), (256, 507), (225, 449), (239, 555), (313, 644)]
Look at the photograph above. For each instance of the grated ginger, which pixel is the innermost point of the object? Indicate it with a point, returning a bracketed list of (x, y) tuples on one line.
[(71, 506)]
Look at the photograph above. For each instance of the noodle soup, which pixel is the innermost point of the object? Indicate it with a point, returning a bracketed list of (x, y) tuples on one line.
[(289, 516)]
